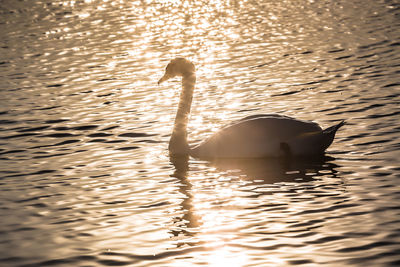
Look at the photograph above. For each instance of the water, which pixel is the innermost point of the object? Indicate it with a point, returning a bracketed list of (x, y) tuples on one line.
[(86, 176)]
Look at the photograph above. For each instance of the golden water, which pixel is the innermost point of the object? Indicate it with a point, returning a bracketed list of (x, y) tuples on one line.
[(84, 128)]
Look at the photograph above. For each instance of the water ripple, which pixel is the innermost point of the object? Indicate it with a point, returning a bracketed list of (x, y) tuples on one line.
[(86, 179)]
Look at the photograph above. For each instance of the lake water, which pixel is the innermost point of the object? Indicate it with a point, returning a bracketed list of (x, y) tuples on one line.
[(86, 179)]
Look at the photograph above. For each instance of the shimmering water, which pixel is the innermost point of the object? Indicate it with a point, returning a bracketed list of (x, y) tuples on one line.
[(86, 176)]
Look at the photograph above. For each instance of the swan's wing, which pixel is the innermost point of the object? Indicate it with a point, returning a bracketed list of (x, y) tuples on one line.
[(255, 136), (269, 115)]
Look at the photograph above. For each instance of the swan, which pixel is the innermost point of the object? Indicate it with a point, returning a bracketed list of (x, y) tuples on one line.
[(256, 136)]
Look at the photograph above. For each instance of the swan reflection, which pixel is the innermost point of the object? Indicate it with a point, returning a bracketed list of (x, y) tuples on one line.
[(201, 218), (188, 222), (276, 170)]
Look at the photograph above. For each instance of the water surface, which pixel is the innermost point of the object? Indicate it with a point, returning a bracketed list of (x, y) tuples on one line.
[(86, 179)]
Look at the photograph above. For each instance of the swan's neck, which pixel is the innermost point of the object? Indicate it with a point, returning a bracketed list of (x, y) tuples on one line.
[(178, 143)]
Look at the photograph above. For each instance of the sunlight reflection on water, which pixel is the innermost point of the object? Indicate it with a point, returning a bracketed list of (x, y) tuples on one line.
[(86, 176)]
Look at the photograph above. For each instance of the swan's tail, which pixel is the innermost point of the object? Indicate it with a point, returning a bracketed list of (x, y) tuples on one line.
[(329, 134)]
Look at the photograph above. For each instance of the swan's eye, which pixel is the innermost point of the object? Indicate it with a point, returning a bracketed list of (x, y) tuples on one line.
[(170, 70)]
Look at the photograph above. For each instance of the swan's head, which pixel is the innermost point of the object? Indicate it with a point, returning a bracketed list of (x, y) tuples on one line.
[(178, 67)]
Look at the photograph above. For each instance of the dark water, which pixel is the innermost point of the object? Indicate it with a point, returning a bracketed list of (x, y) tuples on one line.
[(86, 179)]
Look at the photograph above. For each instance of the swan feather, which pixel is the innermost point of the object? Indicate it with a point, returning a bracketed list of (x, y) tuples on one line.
[(254, 136), (259, 136)]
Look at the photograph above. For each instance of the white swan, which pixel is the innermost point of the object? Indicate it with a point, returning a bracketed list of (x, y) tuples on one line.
[(255, 136)]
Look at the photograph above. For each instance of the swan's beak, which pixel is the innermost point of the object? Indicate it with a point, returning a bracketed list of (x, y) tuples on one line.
[(164, 78)]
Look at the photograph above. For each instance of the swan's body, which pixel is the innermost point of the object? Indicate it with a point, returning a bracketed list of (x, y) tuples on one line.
[(252, 137)]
